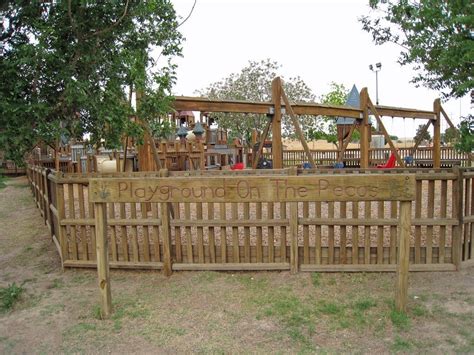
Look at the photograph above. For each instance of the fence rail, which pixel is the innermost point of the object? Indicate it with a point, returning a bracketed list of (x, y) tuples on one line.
[(331, 236), (422, 157)]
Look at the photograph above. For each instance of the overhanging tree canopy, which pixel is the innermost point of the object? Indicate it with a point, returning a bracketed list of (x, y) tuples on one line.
[(68, 68), (435, 36)]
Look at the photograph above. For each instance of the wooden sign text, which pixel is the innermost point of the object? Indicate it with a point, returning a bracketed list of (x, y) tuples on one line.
[(348, 187)]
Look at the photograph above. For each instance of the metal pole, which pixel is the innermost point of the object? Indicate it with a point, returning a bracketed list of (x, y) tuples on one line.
[(376, 87)]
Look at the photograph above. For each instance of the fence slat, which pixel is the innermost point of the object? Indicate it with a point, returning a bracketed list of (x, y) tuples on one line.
[(222, 215), (442, 229), (189, 241), (418, 203), (212, 237), (82, 214), (113, 241), (380, 211), (259, 251), (367, 214), (155, 234), (429, 229), (355, 234), (393, 233), (283, 233), (343, 234), (72, 229), (146, 234), (317, 234), (123, 235), (305, 234), (235, 234), (247, 233), (294, 237), (271, 236), (177, 233), (135, 250), (200, 238)]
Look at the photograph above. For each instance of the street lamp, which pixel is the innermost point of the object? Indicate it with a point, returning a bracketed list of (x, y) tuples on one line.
[(377, 68)]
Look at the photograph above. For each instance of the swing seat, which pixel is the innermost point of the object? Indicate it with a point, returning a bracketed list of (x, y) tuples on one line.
[(390, 164)]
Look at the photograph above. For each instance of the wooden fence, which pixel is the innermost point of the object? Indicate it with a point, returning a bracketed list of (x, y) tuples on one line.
[(331, 236), (423, 157)]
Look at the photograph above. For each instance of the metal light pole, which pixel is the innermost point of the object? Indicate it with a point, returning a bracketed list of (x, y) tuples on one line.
[(377, 68)]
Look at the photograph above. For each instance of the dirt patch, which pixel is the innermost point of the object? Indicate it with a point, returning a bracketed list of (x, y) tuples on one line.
[(203, 312)]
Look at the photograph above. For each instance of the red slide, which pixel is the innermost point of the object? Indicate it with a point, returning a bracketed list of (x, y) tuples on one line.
[(389, 164)]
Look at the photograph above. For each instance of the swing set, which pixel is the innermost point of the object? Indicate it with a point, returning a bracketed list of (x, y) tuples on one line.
[(280, 105)]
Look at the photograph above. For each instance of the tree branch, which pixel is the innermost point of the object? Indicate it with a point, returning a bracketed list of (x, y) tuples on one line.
[(189, 15), (98, 33)]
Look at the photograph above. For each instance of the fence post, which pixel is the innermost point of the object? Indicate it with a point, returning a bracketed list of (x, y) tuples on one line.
[(49, 201), (166, 214), (61, 229), (102, 249), (457, 214), (44, 197), (437, 134), (166, 233), (404, 225), (293, 171)]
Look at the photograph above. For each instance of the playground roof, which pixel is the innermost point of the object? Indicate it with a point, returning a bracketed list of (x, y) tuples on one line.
[(353, 100)]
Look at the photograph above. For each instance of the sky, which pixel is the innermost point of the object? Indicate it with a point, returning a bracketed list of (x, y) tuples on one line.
[(321, 41)]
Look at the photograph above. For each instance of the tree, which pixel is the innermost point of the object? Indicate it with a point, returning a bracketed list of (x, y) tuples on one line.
[(328, 131), (422, 135), (465, 142), (69, 67), (254, 83), (435, 36), (450, 135)]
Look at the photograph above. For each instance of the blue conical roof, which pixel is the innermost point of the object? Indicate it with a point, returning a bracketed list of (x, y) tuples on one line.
[(353, 100)]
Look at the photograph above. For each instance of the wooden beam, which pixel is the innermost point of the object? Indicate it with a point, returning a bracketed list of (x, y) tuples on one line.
[(437, 135), (404, 112), (346, 142), (401, 290), (100, 210), (56, 157), (385, 133), (184, 103), (364, 130), (277, 145), (298, 130), (447, 117), (258, 153)]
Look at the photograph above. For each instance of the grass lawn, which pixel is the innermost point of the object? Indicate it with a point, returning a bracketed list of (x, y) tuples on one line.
[(46, 310)]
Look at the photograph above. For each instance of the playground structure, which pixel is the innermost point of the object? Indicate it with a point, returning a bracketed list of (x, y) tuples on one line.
[(201, 147), (152, 223)]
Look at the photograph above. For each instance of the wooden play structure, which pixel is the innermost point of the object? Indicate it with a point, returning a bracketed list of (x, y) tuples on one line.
[(200, 145), (364, 157), (185, 211)]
